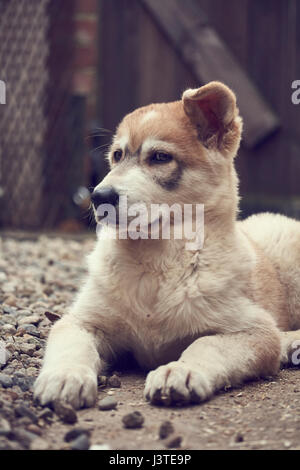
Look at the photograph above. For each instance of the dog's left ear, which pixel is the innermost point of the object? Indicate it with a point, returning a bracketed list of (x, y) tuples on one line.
[(212, 109)]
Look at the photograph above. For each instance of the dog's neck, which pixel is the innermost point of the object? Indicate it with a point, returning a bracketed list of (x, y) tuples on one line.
[(162, 254)]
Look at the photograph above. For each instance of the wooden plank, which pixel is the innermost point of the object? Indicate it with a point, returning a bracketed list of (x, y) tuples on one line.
[(210, 59)]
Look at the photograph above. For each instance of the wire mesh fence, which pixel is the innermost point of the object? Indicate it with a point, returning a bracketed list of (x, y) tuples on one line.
[(42, 123)]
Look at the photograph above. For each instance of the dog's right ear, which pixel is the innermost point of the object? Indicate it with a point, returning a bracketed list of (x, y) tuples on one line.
[(212, 109)]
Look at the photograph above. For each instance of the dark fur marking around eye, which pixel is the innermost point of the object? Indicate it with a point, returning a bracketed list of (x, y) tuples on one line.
[(173, 181)]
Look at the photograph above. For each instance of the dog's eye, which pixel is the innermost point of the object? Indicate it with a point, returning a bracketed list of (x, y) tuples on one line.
[(160, 157), (117, 155)]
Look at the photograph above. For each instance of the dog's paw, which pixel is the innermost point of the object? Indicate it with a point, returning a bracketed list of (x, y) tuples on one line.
[(76, 385), (177, 383)]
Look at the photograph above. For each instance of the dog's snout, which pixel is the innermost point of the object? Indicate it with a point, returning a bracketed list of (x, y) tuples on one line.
[(105, 195)]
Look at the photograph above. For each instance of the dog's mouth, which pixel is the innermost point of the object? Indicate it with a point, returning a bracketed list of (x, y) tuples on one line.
[(123, 222)]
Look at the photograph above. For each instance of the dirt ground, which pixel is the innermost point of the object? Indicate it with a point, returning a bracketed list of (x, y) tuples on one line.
[(42, 274), (259, 415)]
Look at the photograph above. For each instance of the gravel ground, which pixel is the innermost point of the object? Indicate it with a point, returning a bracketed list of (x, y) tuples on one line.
[(38, 279)]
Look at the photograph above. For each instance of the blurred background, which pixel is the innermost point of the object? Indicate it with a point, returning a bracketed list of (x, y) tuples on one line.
[(73, 68)]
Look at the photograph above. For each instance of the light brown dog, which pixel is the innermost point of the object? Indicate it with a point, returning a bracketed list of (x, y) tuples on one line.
[(201, 320)]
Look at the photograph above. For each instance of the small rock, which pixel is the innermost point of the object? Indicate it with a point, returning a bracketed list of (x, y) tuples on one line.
[(102, 381), (35, 429), (11, 301), (81, 443), (46, 414), (4, 354), (114, 381), (8, 328), (24, 437), (29, 329), (4, 427), (133, 420), (25, 383), (6, 381), (75, 433), (9, 310), (173, 442), (239, 437), (108, 403), (65, 412), (100, 447), (23, 410), (31, 319), (27, 348), (39, 444), (53, 317), (3, 276), (166, 429)]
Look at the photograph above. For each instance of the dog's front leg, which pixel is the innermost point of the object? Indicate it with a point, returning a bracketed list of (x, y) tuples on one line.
[(70, 365), (213, 362)]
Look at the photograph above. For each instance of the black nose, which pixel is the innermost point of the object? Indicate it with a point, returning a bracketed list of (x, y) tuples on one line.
[(105, 195)]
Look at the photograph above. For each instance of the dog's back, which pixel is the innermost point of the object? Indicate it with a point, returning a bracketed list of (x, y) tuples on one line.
[(279, 238)]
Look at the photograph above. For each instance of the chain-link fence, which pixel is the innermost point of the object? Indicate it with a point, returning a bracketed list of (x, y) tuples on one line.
[(42, 124)]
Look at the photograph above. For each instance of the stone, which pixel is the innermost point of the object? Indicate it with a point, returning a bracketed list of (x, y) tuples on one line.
[(114, 381), (6, 381), (166, 428), (5, 427), (74, 433), (133, 420), (173, 442), (82, 442), (65, 412), (108, 403), (23, 410), (30, 319)]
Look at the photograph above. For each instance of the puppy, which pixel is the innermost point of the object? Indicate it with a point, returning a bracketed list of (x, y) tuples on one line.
[(200, 320)]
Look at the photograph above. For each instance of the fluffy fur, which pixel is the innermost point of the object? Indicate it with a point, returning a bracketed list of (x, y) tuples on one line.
[(200, 320)]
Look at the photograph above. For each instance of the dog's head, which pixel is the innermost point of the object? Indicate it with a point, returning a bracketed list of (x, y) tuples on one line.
[(180, 152)]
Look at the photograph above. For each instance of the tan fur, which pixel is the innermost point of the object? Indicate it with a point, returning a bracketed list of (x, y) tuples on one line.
[(201, 320)]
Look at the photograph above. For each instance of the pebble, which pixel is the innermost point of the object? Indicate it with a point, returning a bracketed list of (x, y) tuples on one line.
[(29, 329), (102, 381), (114, 381), (53, 317), (11, 300), (6, 381), (75, 433), (239, 437), (25, 383), (23, 436), (100, 447), (108, 403), (23, 410), (82, 442), (133, 420), (31, 319), (173, 442), (165, 429), (5, 427), (65, 412), (8, 328), (46, 414), (27, 348), (35, 429)]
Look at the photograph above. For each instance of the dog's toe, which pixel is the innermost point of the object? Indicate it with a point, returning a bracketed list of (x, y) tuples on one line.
[(176, 383)]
